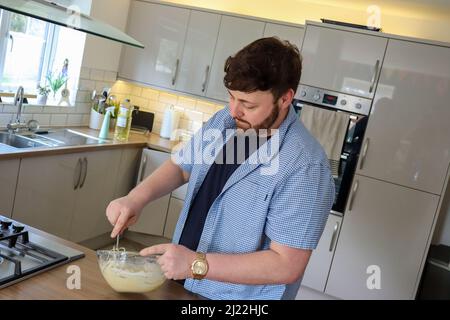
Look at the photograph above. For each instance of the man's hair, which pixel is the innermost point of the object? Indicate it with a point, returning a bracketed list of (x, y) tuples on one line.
[(265, 64)]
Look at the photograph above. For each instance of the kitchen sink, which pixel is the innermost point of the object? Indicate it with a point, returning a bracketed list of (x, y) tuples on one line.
[(16, 141)]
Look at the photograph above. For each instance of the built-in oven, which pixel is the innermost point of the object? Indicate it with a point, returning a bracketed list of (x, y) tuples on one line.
[(357, 109)]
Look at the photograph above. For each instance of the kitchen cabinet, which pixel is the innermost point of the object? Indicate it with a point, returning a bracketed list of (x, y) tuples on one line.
[(173, 214), (234, 34), (9, 170), (96, 191), (198, 53), (129, 165), (46, 192), (153, 216), (293, 34), (67, 195), (407, 141), (316, 273), (342, 61), (383, 241), (162, 30)]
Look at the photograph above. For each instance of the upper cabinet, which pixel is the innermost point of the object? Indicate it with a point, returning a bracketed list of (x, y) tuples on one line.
[(198, 53), (235, 33), (162, 29), (408, 135), (342, 61), (293, 34)]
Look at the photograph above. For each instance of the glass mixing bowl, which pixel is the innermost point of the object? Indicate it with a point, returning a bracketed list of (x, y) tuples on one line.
[(130, 272)]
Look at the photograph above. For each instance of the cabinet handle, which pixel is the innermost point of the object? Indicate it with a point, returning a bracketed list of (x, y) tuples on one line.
[(333, 237), (144, 164), (77, 175), (85, 165), (206, 79), (175, 76), (364, 153), (355, 188), (374, 77)]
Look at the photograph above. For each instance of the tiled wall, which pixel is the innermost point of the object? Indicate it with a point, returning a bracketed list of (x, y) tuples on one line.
[(195, 111)]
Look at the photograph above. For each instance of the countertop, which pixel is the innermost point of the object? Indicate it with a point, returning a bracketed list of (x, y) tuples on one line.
[(51, 285), (136, 140)]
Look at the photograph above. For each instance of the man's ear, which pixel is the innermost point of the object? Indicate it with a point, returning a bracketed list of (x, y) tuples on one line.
[(286, 99)]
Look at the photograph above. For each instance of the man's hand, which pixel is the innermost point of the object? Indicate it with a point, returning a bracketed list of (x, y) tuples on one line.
[(122, 213), (175, 260)]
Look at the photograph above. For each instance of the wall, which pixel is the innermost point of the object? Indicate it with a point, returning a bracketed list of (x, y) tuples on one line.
[(416, 18)]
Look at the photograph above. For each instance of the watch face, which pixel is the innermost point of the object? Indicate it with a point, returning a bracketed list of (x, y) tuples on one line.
[(199, 268)]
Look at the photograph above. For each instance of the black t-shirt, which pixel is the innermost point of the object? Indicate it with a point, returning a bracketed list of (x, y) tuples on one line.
[(215, 180)]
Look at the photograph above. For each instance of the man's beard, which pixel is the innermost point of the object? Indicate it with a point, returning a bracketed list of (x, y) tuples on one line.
[(265, 124)]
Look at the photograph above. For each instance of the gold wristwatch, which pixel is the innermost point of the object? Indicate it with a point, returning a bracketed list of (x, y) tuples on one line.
[(200, 266)]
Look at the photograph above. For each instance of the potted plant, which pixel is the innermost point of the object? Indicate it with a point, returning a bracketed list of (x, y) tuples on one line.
[(56, 83), (43, 92)]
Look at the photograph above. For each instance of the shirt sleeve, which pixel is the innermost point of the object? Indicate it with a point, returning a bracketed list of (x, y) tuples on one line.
[(300, 207)]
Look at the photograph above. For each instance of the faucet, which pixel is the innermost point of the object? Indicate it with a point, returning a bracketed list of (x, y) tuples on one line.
[(18, 102)]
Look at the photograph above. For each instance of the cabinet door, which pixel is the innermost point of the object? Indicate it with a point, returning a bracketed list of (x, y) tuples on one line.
[(173, 214), (96, 191), (9, 170), (129, 165), (198, 52), (153, 217), (383, 237), (342, 61), (293, 34), (162, 30), (234, 34), (45, 196), (408, 134), (316, 272)]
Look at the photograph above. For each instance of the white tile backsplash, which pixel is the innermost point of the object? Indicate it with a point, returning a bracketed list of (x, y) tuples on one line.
[(74, 119), (97, 75), (58, 119), (87, 85), (85, 73), (110, 76), (5, 118), (43, 119)]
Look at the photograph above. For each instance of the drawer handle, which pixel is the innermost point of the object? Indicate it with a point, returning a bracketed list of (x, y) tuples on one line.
[(355, 188), (364, 154), (77, 175), (206, 79), (374, 76), (333, 237), (175, 76), (85, 165), (144, 164)]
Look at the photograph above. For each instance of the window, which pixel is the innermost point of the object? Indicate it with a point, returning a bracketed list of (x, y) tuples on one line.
[(31, 49)]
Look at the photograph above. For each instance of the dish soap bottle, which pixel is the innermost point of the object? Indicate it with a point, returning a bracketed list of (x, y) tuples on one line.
[(123, 124), (105, 126)]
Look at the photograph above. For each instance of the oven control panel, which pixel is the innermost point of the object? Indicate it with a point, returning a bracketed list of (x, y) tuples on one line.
[(334, 100)]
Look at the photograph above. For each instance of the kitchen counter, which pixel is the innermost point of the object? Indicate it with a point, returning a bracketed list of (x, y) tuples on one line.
[(136, 140), (52, 283)]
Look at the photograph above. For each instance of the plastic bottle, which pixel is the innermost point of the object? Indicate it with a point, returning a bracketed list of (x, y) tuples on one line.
[(105, 125), (123, 124)]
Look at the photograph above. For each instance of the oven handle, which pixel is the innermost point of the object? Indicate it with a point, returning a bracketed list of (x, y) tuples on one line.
[(353, 195), (374, 76), (175, 76), (333, 237), (364, 153)]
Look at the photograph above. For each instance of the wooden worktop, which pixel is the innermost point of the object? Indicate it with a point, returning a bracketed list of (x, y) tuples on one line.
[(51, 285), (136, 140)]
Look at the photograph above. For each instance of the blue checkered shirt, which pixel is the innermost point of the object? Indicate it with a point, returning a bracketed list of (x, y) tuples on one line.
[(288, 203)]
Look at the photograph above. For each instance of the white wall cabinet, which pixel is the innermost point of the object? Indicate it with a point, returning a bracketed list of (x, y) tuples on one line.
[(234, 34), (385, 226), (153, 216), (319, 264), (407, 141), (293, 34), (9, 170), (162, 30), (201, 38), (342, 61)]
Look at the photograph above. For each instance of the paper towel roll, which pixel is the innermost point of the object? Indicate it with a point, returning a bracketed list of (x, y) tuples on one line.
[(170, 122)]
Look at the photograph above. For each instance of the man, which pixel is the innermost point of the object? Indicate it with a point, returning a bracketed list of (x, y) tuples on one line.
[(247, 229)]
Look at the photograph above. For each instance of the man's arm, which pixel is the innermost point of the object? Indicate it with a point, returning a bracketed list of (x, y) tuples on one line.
[(125, 211), (277, 265)]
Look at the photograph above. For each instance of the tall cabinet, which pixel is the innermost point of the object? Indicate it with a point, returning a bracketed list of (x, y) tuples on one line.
[(388, 222)]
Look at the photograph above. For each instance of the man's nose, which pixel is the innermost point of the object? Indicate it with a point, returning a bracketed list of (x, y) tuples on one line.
[(235, 110)]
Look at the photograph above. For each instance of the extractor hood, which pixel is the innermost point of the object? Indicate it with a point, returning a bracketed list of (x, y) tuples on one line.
[(66, 17)]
